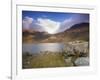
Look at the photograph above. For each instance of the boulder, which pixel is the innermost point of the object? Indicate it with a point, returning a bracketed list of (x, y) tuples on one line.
[(82, 61)]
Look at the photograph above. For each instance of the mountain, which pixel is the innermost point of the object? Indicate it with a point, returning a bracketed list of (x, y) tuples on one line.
[(79, 31), (76, 32), (80, 26)]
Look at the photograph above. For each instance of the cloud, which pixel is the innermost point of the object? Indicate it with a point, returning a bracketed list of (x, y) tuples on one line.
[(26, 22), (75, 19), (66, 24), (49, 25)]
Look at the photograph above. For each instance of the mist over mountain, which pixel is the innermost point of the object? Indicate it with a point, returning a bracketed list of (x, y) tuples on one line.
[(51, 26), (76, 32)]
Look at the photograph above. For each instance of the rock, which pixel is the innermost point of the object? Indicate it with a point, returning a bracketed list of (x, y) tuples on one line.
[(81, 48), (82, 61), (68, 49), (68, 61)]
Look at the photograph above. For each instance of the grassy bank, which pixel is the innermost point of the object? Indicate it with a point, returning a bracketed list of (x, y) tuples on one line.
[(44, 60)]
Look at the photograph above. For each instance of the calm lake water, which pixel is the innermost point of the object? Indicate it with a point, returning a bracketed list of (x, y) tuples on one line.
[(36, 48)]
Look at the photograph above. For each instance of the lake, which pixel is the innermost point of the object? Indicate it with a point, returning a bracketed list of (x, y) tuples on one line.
[(36, 48)]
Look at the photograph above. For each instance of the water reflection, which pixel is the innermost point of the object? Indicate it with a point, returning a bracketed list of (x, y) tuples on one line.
[(36, 48)]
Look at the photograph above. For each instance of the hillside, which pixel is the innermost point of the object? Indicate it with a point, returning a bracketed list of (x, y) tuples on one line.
[(76, 32)]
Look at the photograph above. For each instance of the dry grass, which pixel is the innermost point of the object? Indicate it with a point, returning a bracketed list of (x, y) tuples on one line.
[(44, 60), (49, 59)]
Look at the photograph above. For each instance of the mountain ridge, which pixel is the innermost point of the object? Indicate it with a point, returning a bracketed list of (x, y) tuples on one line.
[(76, 32)]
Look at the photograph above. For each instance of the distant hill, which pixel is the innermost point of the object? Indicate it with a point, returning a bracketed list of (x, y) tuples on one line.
[(76, 32), (80, 26), (79, 31)]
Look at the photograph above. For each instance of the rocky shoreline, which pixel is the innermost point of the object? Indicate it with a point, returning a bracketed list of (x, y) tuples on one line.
[(73, 54)]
